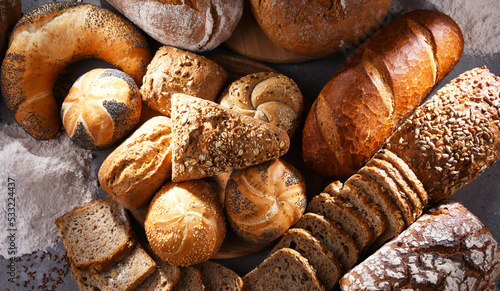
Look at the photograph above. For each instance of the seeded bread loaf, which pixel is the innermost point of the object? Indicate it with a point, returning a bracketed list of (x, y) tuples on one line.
[(447, 248), (453, 137), (267, 96), (185, 223), (210, 139), (176, 71), (190, 280), (376, 89), (263, 201), (102, 107), (97, 235), (285, 269), (126, 275), (137, 168), (218, 277)]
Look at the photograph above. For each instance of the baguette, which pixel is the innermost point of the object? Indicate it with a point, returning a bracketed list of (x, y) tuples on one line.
[(382, 82)]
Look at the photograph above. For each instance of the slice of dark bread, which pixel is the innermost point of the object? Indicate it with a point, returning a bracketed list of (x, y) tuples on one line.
[(336, 210), (97, 235), (395, 222), (190, 280), (285, 269), (217, 277), (126, 275), (328, 268), (332, 237), (165, 277)]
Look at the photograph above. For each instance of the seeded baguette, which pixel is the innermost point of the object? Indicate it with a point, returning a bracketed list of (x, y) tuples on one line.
[(453, 137)]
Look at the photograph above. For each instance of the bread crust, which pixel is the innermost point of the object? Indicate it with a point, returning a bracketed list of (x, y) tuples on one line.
[(41, 47), (383, 81)]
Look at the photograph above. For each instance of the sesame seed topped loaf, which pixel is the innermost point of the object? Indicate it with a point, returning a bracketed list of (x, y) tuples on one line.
[(96, 235), (218, 277), (447, 248), (454, 136), (210, 139)]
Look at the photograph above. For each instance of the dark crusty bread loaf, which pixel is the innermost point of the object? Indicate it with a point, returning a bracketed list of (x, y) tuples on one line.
[(190, 280), (218, 277), (96, 235), (126, 275), (285, 269), (447, 248), (454, 136), (328, 268), (382, 81)]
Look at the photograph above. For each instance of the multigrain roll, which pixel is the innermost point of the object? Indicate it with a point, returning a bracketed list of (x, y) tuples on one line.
[(185, 224), (268, 96), (102, 107), (262, 202), (137, 168), (176, 71), (50, 37), (190, 25)]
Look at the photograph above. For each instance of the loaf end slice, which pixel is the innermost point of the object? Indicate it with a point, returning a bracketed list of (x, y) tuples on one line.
[(217, 277), (285, 269), (97, 235), (125, 275)]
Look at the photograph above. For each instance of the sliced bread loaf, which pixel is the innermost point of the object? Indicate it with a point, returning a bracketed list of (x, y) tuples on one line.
[(217, 277), (190, 280), (97, 235), (285, 269), (328, 268), (331, 236), (165, 277), (125, 275)]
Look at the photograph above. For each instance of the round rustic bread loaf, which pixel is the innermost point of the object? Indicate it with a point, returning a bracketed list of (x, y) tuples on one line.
[(190, 25), (319, 28), (50, 37), (102, 107), (185, 224), (262, 202), (176, 71), (268, 96)]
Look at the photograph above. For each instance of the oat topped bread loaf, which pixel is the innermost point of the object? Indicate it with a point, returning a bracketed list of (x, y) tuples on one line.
[(176, 71), (267, 96), (210, 139)]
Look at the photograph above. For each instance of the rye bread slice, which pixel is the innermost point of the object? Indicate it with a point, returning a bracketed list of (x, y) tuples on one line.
[(190, 280), (97, 235), (210, 139), (285, 269), (362, 203), (328, 268), (217, 277), (164, 278), (126, 275), (406, 172), (344, 214), (332, 237), (394, 217), (400, 198)]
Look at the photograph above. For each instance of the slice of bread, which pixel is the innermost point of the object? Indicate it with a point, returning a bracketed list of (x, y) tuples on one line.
[(328, 268), (165, 277), (190, 280), (125, 275), (331, 236), (285, 269), (217, 277), (97, 235)]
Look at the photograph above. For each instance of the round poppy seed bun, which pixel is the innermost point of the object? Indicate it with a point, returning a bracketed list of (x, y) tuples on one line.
[(262, 202), (185, 224), (101, 108)]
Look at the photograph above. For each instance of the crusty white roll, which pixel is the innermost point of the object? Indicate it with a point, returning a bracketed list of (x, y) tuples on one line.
[(185, 224), (263, 201), (46, 40), (190, 25), (102, 106)]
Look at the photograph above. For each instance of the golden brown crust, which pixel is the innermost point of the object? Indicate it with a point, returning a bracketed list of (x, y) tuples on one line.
[(36, 56), (382, 81), (136, 169), (185, 224), (262, 202)]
